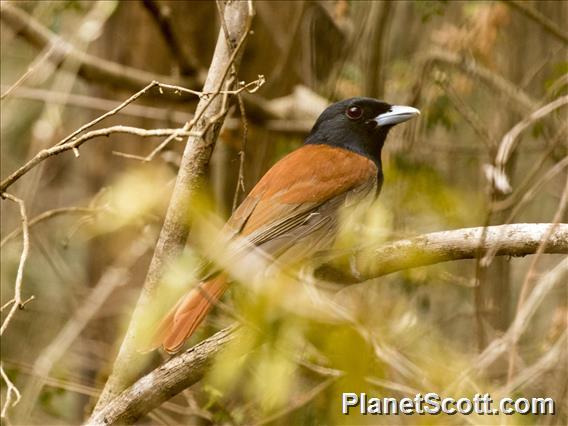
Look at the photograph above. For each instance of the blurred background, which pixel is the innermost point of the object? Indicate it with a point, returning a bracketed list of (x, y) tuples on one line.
[(474, 69)]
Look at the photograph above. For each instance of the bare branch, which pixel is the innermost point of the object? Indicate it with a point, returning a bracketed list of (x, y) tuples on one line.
[(16, 301), (250, 87), (73, 145), (428, 249), (497, 173), (13, 395), (177, 374), (72, 142)]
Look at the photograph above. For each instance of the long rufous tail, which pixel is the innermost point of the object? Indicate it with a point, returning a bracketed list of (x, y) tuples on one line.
[(182, 320)]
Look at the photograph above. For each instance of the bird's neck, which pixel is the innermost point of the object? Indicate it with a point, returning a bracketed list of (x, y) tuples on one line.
[(362, 144)]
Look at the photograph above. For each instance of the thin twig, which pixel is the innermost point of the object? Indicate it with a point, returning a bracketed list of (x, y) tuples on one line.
[(17, 299), (11, 392), (48, 215), (37, 63), (298, 402), (519, 325), (71, 142), (17, 302), (109, 113), (250, 87), (497, 174), (74, 144)]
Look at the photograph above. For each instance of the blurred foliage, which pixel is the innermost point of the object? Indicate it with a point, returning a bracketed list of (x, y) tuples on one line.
[(302, 346)]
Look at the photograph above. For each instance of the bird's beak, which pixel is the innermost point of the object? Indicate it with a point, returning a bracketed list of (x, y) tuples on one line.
[(397, 114)]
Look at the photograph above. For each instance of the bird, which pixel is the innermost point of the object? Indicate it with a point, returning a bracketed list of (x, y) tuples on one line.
[(292, 212)]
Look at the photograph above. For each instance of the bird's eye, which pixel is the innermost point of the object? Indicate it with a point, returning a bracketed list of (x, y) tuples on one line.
[(354, 112)]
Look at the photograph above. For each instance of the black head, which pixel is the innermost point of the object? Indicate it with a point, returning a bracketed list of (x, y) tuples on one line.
[(359, 124)]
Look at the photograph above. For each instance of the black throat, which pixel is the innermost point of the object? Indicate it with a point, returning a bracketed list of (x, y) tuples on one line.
[(365, 142)]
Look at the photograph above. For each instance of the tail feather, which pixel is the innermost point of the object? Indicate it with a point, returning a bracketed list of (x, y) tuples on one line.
[(182, 320)]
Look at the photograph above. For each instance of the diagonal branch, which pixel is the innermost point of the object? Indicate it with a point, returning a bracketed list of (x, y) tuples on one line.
[(209, 117), (188, 368), (152, 390), (162, 16), (90, 67), (539, 18)]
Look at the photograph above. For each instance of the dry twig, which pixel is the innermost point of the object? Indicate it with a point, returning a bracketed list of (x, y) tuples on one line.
[(74, 144), (17, 302), (13, 395), (31, 69), (496, 174), (48, 215)]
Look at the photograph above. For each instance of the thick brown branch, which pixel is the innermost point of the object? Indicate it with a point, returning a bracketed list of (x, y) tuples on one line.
[(186, 369)]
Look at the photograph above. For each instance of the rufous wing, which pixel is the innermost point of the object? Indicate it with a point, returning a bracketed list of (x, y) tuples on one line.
[(294, 199)]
